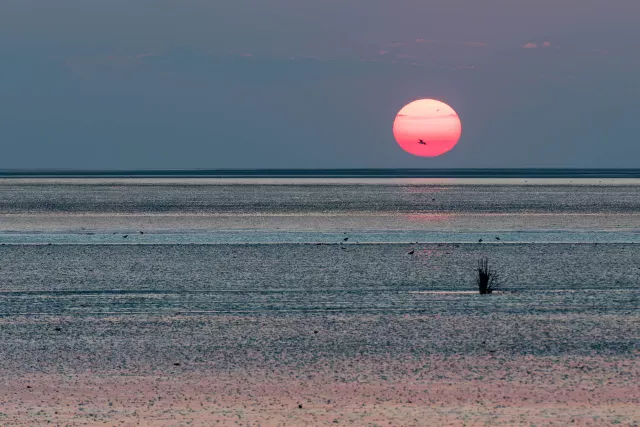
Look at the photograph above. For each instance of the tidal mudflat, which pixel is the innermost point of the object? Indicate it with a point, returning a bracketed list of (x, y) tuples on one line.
[(200, 316)]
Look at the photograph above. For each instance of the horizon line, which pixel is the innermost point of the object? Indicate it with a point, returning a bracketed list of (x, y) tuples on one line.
[(328, 173)]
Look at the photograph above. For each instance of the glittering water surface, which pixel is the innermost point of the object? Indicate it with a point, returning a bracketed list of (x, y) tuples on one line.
[(301, 253), (299, 211), (93, 279)]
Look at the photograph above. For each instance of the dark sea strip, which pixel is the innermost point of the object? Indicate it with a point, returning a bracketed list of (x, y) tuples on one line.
[(326, 173)]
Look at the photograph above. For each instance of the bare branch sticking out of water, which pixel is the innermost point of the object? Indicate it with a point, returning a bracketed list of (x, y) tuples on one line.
[(487, 278)]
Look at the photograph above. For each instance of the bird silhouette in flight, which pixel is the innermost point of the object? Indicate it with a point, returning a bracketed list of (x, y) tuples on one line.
[(422, 142)]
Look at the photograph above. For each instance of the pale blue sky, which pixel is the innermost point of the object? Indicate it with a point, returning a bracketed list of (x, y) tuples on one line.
[(315, 84)]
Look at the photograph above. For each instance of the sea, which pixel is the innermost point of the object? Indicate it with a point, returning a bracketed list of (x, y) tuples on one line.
[(140, 268)]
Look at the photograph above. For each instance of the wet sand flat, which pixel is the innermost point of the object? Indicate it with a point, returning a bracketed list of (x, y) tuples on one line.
[(434, 390), (452, 358), (166, 332)]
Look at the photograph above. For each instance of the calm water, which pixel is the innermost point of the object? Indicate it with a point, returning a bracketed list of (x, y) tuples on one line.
[(308, 211), (290, 251)]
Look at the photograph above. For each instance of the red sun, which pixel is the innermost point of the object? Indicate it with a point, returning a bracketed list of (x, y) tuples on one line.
[(427, 128)]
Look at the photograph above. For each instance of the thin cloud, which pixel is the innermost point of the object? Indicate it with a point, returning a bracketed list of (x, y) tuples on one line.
[(546, 44), (446, 42), (475, 44), (88, 65), (425, 117), (129, 59), (145, 55), (406, 56), (530, 46)]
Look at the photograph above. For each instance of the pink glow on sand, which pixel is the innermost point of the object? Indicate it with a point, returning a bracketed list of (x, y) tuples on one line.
[(430, 391), (433, 122)]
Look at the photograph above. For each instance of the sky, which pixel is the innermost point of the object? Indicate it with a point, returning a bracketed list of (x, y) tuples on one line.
[(168, 84)]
